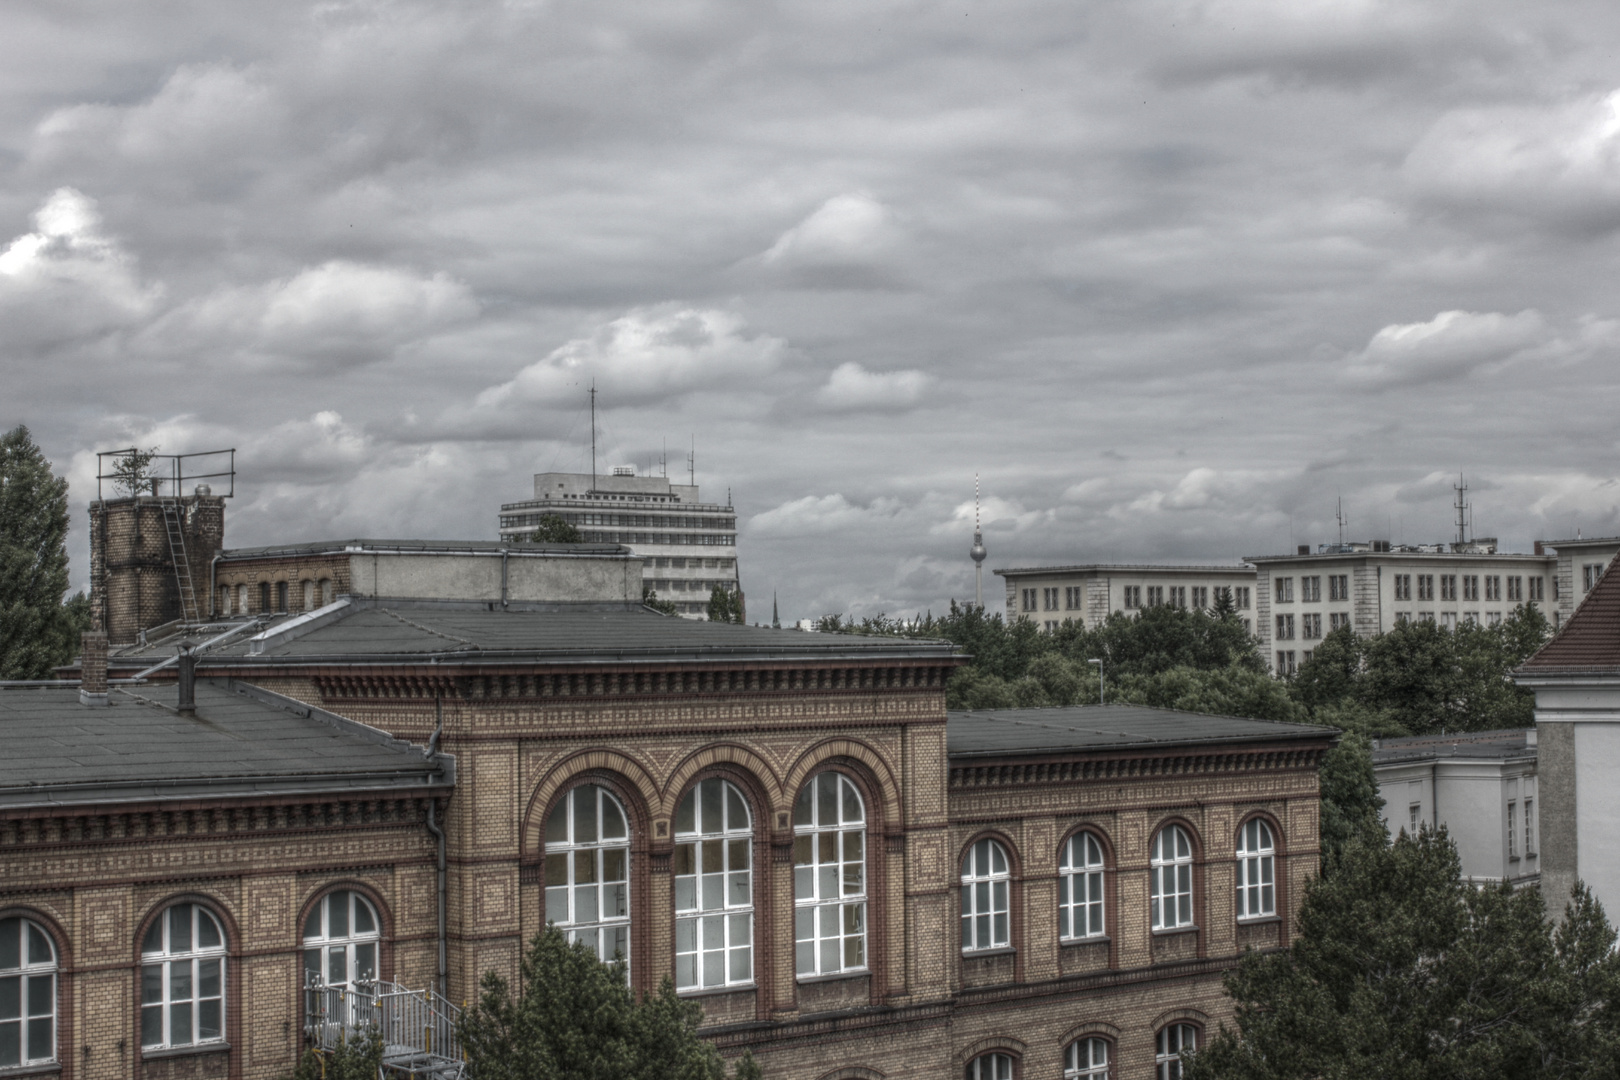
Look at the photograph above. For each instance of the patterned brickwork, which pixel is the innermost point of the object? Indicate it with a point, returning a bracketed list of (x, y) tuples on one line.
[(132, 573)]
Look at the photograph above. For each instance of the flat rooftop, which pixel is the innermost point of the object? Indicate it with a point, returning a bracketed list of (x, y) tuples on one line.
[(242, 741), (428, 547), (438, 631), (1002, 732), (1506, 743)]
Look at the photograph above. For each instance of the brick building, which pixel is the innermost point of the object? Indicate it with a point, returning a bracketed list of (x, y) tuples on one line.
[(853, 883)]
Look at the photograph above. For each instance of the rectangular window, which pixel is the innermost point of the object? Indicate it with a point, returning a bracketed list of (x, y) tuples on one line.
[(1071, 598), (1178, 596), (1426, 616), (1403, 586), (1285, 662), (1425, 586), (1248, 626), (1339, 587), (1416, 814), (1283, 590), (1495, 618), (1310, 589), (1311, 625), (1133, 597), (1529, 828), (1515, 588), (1155, 595), (1200, 597), (1493, 587), (1338, 620), (264, 596), (1050, 597), (1448, 586), (1285, 628), (1470, 586), (1448, 619), (1242, 593), (1512, 811), (1029, 599), (1538, 587), (1590, 575)]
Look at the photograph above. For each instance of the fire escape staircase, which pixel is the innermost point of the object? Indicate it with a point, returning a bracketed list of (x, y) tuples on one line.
[(174, 521), (418, 1027)]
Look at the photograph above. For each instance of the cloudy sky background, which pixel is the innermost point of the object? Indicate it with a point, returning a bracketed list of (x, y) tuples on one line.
[(1171, 276)]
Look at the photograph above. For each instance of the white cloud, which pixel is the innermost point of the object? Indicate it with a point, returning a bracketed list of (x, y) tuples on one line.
[(821, 514), (1452, 344), (844, 229), (851, 388), (645, 355)]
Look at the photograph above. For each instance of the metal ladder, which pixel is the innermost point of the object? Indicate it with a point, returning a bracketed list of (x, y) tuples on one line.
[(174, 519)]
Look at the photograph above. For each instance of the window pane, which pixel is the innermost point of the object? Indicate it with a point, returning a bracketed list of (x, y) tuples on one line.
[(180, 1024), (714, 968), (557, 824), (584, 867), (712, 855), (180, 928), (585, 815), (337, 915), (208, 980), (827, 799), (152, 1025), (686, 970), (41, 1040), (585, 903), (738, 856), (557, 904), (738, 881), (364, 921), (208, 1020), (11, 998), (365, 961), (10, 1044), (852, 804), (312, 925), (801, 808), (10, 944), (615, 864), (151, 984), (713, 891), (685, 893), (709, 819), (855, 952), (742, 964), (613, 825), (686, 813), (208, 935), (736, 810), (829, 955), (39, 946), (337, 966)]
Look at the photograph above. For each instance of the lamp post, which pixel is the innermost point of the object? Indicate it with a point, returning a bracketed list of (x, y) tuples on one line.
[(1100, 700)]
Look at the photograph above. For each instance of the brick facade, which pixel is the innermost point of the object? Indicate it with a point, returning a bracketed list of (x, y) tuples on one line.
[(132, 571)]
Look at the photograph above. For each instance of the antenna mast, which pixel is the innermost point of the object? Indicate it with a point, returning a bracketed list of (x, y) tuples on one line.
[(1462, 507), (1339, 516), (691, 464), (593, 436), (977, 552)]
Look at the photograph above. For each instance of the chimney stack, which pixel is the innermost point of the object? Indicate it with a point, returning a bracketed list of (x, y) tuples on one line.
[(93, 668), (188, 679)]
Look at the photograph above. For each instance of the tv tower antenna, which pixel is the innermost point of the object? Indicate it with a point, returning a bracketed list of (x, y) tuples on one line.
[(977, 552), (1339, 515), (593, 436), (1464, 511)]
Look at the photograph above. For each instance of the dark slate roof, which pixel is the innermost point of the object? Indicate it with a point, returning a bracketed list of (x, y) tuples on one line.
[(327, 547), (1088, 728), (1497, 745), (1591, 638), (469, 631), (242, 741)]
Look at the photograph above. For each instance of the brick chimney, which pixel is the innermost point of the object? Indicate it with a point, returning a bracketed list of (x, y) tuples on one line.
[(187, 671), (93, 668)]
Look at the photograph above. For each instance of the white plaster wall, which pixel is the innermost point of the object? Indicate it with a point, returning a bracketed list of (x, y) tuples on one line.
[(478, 577), (1597, 809)]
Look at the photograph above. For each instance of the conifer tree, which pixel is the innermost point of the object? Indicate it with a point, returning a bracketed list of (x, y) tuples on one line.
[(34, 635)]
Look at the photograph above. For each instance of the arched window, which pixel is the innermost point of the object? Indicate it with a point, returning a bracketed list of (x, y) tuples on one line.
[(1173, 1041), (1171, 877), (714, 888), (241, 600), (1080, 888), (990, 1067), (27, 994), (829, 877), (588, 871), (1086, 1059), (326, 591), (183, 979), (1257, 868), (340, 940), (309, 596), (985, 903)]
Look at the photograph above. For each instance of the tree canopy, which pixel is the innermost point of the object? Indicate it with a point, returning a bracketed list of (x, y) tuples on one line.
[(725, 606), (554, 530), (1405, 971), (37, 631), (574, 1017)]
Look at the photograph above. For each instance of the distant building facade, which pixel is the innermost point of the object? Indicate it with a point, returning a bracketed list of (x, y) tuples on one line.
[(1050, 595), (689, 547), (1480, 786)]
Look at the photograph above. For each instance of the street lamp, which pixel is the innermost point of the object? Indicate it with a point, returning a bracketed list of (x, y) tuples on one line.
[(1100, 700)]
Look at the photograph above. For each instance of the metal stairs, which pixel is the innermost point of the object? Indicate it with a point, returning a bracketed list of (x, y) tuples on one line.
[(174, 520), (418, 1027)]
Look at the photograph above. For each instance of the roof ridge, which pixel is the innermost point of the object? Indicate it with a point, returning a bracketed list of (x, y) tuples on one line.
[(1591, 637)]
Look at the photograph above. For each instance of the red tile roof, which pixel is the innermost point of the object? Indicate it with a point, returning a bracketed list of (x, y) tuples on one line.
[(1591, 638)]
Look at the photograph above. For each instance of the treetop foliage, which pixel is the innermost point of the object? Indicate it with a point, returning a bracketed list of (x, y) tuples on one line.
[(554, 530), (37, 631), (132, 473), (725, 606), (649, 597), (574, 1017)]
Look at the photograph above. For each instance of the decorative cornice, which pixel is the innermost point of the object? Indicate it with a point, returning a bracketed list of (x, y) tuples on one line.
[(1053, 769), (93, 824)]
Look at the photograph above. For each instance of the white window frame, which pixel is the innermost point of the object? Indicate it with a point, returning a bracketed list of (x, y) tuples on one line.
[(1512, 812), (713, 867), (986, 897), (1172, 1041), (28, 960), (1082, 911), (172, 968), (829, 877), (577, 848), (357, 952), (1257, 870), (992, 1066), (1086, 1059), (1529, 827), (1170, 876)]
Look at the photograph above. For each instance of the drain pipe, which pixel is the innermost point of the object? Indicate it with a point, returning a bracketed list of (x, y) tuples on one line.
[(438, 835)]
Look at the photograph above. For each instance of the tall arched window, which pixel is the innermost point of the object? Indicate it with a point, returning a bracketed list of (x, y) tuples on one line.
[(340, 940), (829, 877), (183, 979), (1080, 888), (1257, 859), (1173, 1041), (588, 871), (1086, 1059), (986, 883), (714, 888), (1171, 878), (27, 994), (990, 1067)]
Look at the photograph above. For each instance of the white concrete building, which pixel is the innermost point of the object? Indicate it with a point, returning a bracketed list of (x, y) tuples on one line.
[(1049, 595), (688, 547), (1480, 786), (1580, 563)]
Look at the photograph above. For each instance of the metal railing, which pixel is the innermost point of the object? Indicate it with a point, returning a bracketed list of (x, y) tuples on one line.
[(418, 1027)]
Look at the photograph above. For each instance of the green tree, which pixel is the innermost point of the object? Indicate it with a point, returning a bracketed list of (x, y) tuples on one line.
[(554, 530), (1405, 971), (1234, 690), (1351, 806), (1225, 607), (725, 606), (575, 1018), (649, 598), (132, 473), (36, 633), (357, 1058)]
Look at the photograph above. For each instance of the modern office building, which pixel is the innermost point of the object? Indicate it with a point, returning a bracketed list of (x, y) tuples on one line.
[(1480, 786), (1049, 595), (1578, 565), (689, 547)]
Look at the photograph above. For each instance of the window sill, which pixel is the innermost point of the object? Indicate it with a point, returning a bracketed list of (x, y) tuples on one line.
[(185, 1051), (712, 991), (853, 973), (1258, 920), (1092, 940), (1000, 950), (1172, 931), (43, 1068)]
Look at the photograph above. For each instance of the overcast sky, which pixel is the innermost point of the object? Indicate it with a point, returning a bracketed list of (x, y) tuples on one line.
[(1171, 277)]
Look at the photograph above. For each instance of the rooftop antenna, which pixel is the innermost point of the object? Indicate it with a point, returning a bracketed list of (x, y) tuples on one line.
[(1462, 508), (663, 460), (977, 552), (691, 464), (1339, 514), (593, 436)]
